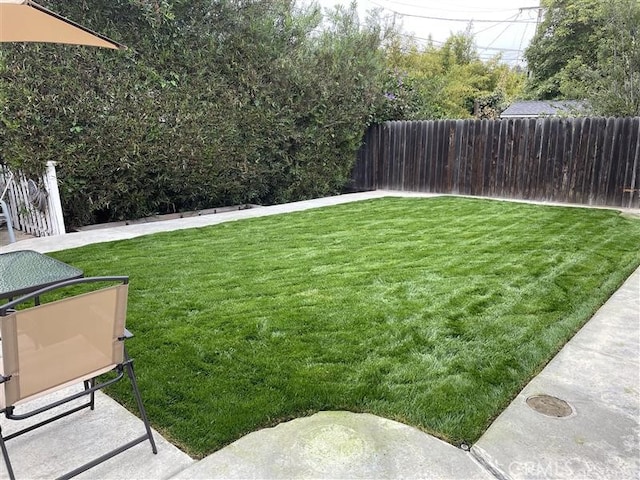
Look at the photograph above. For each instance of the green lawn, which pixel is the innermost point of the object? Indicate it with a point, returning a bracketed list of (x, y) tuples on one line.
[(433, 312)]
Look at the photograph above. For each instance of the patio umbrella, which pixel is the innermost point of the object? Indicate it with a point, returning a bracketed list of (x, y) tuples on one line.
[(26, 21)]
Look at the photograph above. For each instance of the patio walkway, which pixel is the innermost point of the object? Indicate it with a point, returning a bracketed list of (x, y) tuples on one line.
[(597, 374), (98, 235)]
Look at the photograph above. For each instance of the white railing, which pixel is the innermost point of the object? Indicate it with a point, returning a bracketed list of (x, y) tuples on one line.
[(35, 203)]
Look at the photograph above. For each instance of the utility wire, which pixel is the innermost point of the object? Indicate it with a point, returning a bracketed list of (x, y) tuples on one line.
[(524, 33), (462, 9), (508, 56), (438, 42), (446, 19), (495, 25), (502, 32), (476, 32)]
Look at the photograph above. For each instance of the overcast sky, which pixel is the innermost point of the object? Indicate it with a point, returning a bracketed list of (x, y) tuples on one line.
[(499, 25)]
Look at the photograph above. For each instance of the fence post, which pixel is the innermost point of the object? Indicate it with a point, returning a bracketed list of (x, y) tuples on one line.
[(54, 203)]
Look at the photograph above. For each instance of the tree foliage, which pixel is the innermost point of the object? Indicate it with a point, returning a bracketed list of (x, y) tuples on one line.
[(569, 33), (446, 82), (222, 102), (588, 49), (214, 103), (613, 88)]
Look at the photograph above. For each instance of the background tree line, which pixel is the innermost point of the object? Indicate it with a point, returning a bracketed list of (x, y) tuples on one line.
[(588, 50), (447, 81), (261, 101)]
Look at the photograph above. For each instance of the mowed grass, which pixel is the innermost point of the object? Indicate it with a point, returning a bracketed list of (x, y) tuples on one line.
[(433, 312)]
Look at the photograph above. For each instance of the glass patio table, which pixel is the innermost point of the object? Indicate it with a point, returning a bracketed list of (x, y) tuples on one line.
[(26, 271)]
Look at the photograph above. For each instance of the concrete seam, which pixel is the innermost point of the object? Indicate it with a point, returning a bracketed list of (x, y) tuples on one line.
[(490, 468)]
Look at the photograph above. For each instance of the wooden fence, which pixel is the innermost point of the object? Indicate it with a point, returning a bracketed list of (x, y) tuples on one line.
[(591, 161)]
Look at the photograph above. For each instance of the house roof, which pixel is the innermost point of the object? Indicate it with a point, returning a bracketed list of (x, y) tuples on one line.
[(543, 108)]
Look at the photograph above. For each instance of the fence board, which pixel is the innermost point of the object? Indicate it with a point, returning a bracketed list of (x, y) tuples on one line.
[(608, 148), (625, 145), (442, 154), (475, 174), (508, 155), (530, 159), (557, 179), (631, 189), (485, 158), (576, 131), (577, 160), (614, 182)]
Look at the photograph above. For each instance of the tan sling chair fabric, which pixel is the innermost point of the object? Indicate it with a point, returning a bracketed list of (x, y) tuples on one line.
[(59, 343), (62, 342)]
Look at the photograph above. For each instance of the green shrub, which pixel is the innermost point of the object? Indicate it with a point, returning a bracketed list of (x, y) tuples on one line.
[(213, 103)]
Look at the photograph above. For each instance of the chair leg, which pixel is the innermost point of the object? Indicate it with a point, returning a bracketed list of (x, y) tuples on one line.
[(128, 365), (5, 455), (92, 396)]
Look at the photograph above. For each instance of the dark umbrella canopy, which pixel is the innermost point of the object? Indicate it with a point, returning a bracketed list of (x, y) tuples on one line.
[(26, 21)]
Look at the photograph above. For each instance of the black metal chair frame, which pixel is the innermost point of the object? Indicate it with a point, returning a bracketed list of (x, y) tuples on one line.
[(90, 387)]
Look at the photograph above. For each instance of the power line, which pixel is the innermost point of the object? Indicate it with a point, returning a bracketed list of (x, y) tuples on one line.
[(495, 25), (474, 34), (524, 33), (446, 9), (511, 56), (446, 19), (502, 32), (438, 42)]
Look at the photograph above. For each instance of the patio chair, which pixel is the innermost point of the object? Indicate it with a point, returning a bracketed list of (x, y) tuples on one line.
[(5, 215), (49, 347)]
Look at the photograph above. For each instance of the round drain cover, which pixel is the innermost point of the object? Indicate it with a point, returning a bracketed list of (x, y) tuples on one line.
[(549, 406)]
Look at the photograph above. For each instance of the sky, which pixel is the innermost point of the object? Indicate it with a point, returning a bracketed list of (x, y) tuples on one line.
[(499, 26)]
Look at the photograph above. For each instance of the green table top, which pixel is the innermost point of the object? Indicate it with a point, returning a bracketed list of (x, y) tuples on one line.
[(25, 271)]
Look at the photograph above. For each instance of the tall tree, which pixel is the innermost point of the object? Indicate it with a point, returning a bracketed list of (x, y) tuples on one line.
[(446, 82), (613, 88), (588, 49), (567, 39)]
